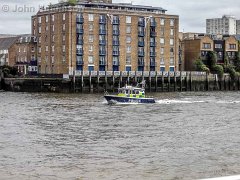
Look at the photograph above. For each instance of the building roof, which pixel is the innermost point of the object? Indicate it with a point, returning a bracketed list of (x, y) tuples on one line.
[(5, 43)]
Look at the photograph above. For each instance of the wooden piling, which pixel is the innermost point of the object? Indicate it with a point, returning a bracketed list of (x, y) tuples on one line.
[(181, 87)]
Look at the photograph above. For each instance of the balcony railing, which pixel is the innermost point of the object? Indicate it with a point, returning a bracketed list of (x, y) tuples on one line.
[(140, 53), (152, 54), (102, 32), (153, 24), (102, 63), (80, 42), (140, 63), (115, 53), (102, 42), (80, 31), (80, 62), (115, 21), (116, 43), (102, 21), (153, 44), (153, 63), (79, 51), (141, 33), (141, 23), (153, 34), (116, 63), (116, 32), (140, 43), (102, 52), (80, 20)]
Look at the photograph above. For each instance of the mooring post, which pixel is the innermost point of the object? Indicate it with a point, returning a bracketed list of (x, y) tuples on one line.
[(156, 81), (82, 83), (175, 82), (181, 81), (163, 81)]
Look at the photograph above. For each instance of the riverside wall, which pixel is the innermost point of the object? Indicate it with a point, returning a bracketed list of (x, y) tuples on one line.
[(97, 82)]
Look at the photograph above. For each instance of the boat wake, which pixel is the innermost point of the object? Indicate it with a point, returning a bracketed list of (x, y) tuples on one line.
[(173, 101)]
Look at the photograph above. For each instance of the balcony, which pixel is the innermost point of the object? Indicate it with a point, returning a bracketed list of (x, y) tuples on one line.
[(102, 52), (153, 34), (79, 63), (116, 32), (141, 33), (141, 53), (115, 53), (115, 21), (140, 63), (141, 23), (141, 43), (102, 42), (152, 54), (80, 20), (102, 32), (80, 31), (153, 63), (116, 63), (153, 24), (102, 21), (115, 43), (153, 44), (79, 42), (80, 52), (102, 63)]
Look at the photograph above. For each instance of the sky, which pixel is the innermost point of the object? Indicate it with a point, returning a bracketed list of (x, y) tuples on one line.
[(192, 13)]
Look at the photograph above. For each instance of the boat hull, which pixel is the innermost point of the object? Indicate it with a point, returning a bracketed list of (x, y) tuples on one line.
[(111, 99)]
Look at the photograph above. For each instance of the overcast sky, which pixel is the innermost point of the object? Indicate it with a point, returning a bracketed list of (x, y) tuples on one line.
[(192, 12)]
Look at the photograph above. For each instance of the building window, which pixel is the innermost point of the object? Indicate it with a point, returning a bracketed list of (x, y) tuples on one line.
[(171, 42), (64, 48), (90, 48), (53, 17), (53, 28), (128, 60), (46, 19), (64, 16), (90, 17), (52, 59), (161, 50), (161, 40), (162, 62), (39, 40), (162, 21), (39, 20), (46, 59), (53, 48), (39, 49), (46, 48), (171, 51), (129, 39), (53, 38), (46, 28), (171, 22), (162, 31), (232, 46), (63, 59), (206, 46), (90, 60), (90, 38), (128, 29), (128, 19), (19, 49), (64, 27), (128, 49), (218, 46), (64, 37), (39, 30), (33, 49), (171, 61), (24, 49), (90, 27), (171, 32)]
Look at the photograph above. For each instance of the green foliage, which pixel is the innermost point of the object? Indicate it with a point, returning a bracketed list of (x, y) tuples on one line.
[(9, 71), (226, 60), (212, 58), (231, 70), (199, 66), (237, 62), (72, 2), (219, 70)]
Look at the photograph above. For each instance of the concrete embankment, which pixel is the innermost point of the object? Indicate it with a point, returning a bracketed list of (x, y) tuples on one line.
[(109, 81)]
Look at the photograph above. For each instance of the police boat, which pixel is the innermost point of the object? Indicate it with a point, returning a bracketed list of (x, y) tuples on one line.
[(129, 94)]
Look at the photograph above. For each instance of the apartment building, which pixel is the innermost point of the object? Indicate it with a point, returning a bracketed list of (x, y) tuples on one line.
[(105, 36), (225, 25), (200, 46)]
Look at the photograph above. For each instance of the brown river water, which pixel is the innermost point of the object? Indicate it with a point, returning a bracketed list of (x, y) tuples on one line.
[(79, 136)]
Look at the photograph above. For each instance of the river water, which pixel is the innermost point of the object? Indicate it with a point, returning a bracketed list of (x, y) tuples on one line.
[(79, 136)]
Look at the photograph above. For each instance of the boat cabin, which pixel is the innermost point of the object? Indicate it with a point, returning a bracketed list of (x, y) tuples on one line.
[(130, 91)]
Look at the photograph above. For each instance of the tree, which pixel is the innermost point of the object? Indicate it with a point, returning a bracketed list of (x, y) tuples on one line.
[(237, 62), (212, 58), (199, 66), (226, 60)]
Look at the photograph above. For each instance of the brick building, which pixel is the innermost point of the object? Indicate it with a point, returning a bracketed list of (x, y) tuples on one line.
[(199, 46), (105, 36)]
